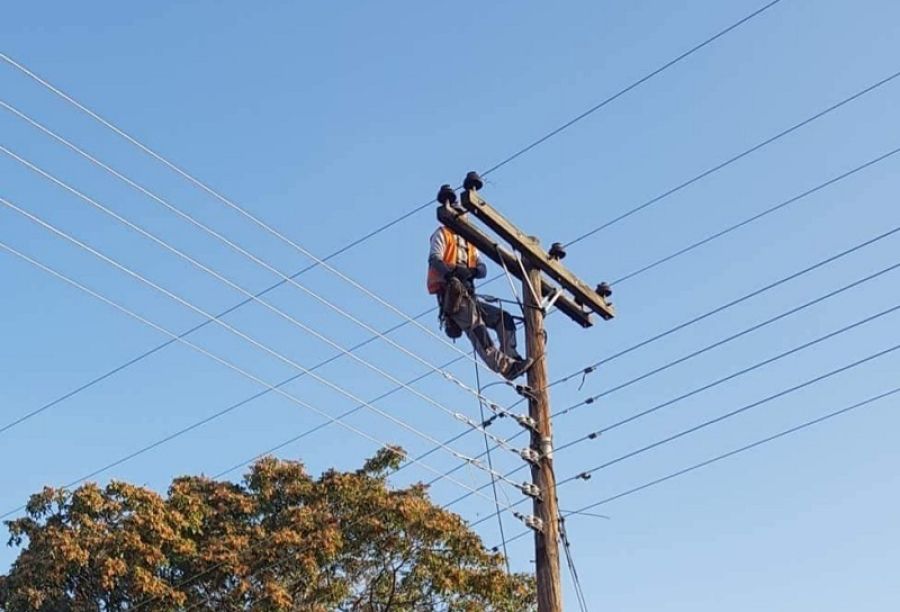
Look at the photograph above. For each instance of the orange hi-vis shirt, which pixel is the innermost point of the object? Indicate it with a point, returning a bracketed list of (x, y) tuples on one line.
[(453, 250)]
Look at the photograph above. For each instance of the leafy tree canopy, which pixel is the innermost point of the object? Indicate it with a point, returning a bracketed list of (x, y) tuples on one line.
[(280, 540)]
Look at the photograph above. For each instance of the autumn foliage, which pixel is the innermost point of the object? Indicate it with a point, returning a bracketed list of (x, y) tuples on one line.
[(280, 540)]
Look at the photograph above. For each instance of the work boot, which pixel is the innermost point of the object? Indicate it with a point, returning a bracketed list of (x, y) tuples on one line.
[(517, 368)]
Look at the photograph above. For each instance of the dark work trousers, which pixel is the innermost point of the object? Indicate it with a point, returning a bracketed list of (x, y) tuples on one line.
[(474, 318)]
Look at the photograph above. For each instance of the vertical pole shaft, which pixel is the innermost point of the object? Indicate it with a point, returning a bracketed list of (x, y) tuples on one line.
[(546, 543)]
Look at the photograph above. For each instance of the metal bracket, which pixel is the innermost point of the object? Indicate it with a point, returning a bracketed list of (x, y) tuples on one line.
[(550, 300)]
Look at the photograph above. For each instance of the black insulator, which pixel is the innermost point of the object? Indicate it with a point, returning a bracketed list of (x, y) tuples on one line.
[(557, 251), (446, 195), (604, 290), (473, 181)]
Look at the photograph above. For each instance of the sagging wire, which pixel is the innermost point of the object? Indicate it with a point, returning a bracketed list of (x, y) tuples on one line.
[(490, 462), (570, 561)]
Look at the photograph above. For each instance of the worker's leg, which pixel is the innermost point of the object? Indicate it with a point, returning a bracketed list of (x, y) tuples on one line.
[(504, 325), (469, 320)]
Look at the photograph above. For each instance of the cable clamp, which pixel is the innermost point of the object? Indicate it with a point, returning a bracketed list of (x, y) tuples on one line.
[(531, 521), (530, 489), (530, 455), (525, 391), (526, 421)]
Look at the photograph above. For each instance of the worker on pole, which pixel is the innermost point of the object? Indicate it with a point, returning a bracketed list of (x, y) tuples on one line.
[(453, 266)]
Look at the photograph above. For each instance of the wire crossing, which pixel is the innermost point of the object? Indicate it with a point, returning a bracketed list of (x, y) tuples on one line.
[(243, 336), (354, 243), (218, 359)]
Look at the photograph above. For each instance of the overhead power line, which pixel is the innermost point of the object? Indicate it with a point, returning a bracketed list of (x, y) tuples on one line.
[(249, 339), (707, 386), (668, 440), (214, 357), (635, 84), (734, 413), (719, 309), (218, 276), (717, 458), (365, 237), (757, 216), (733, 159)]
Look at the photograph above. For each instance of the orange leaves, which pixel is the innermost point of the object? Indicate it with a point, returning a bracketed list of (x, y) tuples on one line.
[(280, 540)]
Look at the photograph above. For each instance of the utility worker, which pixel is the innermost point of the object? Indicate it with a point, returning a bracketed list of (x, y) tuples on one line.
[(453, 265)]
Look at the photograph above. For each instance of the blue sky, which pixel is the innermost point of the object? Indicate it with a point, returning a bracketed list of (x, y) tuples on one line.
[(327, 121)]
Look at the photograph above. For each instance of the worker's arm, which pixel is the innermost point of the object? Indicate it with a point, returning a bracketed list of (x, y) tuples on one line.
[(436, 253), (480, 270)]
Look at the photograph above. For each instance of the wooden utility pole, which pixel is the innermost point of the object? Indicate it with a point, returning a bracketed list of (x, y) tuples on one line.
[(546, 541), (530, 266)]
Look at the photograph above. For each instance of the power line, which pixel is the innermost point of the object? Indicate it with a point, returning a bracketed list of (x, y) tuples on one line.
[(733, 159), (459, 416), (717, 310), (622, 92), (105, 210), (221, 238), (568, 377), (231, 329), (490, 462), (354, 243), (723, 456), (743, 332), (176, 434), (591, 368), (809, 382), (736, 412), (215, 358), (757, 216), (819, 264), (570, 561), (594, 434)]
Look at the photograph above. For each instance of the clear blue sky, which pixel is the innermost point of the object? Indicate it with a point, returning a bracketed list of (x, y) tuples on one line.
[(329, 119)]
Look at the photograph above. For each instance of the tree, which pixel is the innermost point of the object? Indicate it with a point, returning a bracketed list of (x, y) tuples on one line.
[(279, 540)]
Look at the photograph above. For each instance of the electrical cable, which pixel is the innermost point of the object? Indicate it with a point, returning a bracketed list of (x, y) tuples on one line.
[(755, 217), (622, 92), (231, 329), (735, 158), (809, 382), (755, 366), (735, 412), (723, 456), (747, 296), (107, 211), (212, 356), (570, 562), (354, 243), (727, 339), (490, 462)]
